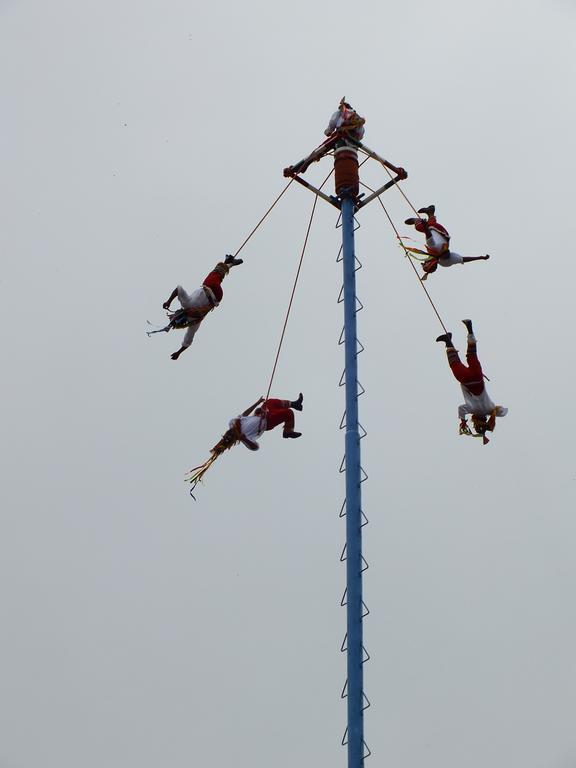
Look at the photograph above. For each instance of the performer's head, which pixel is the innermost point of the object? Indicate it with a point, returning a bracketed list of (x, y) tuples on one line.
[(226, 441), (430, 265), (481, 426)]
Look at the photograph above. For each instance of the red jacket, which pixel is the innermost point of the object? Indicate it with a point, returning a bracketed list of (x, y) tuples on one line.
[(422, 225)]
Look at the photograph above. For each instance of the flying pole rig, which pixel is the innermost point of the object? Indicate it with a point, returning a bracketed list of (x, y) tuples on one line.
[(347, 188), (343, 142)]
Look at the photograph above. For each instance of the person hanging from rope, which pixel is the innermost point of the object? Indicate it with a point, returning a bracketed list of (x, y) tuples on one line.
[(477, 401), (196, 305), (268, 414), (262, 416), (437, 243)]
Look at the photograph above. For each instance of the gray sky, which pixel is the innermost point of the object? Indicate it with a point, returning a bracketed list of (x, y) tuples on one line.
[(140, 142)]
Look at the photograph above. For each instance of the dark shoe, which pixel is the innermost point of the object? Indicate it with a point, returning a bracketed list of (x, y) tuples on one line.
[(429, 210), (468, 324), (292, 434), (232, 262), (297, 404), (447, 338), (410, 221)]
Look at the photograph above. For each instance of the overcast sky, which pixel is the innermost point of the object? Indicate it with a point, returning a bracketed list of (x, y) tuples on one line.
[(141, 141)]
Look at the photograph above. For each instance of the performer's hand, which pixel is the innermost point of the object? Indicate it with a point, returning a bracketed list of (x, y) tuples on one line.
[(175, 355), (402, 173)]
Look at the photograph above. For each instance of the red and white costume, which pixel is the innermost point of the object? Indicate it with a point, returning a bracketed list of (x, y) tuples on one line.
[(270, 414), (477, 401), (438, 242), (204, 299), (344, 117)]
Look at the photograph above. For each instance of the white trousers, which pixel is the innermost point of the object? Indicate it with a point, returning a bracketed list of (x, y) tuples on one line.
[(195, 300), (436, 246)]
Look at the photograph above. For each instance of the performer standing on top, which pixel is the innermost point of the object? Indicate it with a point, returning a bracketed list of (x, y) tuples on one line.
[(346, 121), (438, 243), (477, 401), (195, 306), (346, 128)]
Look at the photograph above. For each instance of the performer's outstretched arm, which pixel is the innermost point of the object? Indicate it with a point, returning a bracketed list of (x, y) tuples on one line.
[(173, 295)]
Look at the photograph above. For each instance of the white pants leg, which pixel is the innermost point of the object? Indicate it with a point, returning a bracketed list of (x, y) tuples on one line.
[(436, 243), (449, 259), (195, 300), (190, 333)]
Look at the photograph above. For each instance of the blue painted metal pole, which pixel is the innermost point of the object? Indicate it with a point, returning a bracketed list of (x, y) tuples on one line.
[(353, 499)]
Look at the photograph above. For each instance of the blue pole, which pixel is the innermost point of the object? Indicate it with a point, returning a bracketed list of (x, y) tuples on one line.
[(353, 499)]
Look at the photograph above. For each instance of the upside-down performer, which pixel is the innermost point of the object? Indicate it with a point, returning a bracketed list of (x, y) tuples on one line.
[(260, 417), (477, 401), (196, 305), (437, 243)]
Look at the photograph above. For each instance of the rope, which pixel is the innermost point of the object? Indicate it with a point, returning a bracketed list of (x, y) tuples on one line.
[(408, 251), (291, 298), (294, 288), (398, 187), (263, 217), (407, 254), (296, 281)]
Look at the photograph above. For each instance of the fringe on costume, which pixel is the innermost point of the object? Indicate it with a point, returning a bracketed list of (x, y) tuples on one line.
[(182, 318), (490, 426), (228, 440), (428, 262)]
